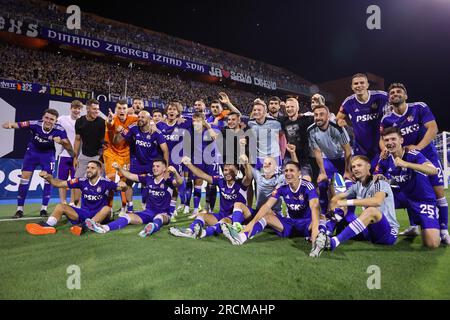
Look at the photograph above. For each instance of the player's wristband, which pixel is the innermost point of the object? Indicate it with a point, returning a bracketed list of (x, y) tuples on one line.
[(350, 202)]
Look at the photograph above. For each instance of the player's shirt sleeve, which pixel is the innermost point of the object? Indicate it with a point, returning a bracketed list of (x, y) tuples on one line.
[(382, 186), (127, 134), (160, 138), (217, 180), (278, 192), (342, 136), (425, 113), (380, 167), (351, 192), (74, 184), (416, 157), (344, 107), (78, 126), (111, 185), (312, 140), (26, 124), (143, 179), (61, 132), (310, 191)]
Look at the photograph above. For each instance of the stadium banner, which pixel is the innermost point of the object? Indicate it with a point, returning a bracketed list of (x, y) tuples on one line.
[(44, 89), (243, 78), (117, 49)]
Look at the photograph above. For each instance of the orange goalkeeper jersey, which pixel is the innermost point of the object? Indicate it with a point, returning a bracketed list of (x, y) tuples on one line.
[(121, 149)]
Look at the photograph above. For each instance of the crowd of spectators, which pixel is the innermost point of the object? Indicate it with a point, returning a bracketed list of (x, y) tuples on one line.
[(90, 73), (94, 26)]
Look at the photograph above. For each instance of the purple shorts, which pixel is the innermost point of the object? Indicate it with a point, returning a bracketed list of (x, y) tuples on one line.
[(137, 168), (32, 159), (423, 213), (294, 227), (334, 165), (148, 215), (84, 214), (381, 232), (65, 168)]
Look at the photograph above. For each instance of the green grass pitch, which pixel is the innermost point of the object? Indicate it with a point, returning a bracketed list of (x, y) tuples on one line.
[(121, 265)]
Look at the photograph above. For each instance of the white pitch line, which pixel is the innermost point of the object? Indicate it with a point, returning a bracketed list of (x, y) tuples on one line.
[(20, 219)]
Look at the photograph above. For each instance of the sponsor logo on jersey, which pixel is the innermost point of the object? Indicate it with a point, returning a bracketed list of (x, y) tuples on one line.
[(367, 117), (410, 129)]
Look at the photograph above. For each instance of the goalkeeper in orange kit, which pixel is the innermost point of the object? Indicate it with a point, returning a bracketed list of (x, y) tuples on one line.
[(120, 151)]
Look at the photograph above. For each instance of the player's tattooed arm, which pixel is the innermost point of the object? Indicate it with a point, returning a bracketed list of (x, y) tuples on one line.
[(76, 150), (127, 174), (426, 168), (54, 182), (178, 179), (196, 171), (66, 144), (10, 125)]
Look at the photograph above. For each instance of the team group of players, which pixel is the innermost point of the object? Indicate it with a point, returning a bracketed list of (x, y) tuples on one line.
[(302, 159)]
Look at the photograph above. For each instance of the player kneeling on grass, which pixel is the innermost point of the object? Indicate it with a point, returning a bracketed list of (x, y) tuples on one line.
[(94, 205), (233, 195), (377, 222), (302, 205), (409, 171), (157, 213)]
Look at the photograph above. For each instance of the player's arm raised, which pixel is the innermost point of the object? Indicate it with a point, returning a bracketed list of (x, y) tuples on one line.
[(291, 148), (178, 179), (127, 174), (54, 182), (248, 177), (196, 171), (223, 98)]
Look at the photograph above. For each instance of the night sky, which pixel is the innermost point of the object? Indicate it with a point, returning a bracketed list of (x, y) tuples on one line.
[(319, 40)]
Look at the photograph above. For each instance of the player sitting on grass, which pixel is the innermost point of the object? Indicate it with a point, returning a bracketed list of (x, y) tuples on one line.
[(156, 213), (377, 222), (232, 191), (94, 203), (302, 204), (266, 182), (410, 170)]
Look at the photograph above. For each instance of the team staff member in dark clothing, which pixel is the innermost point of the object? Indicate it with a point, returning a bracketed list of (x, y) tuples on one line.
[(295, 127), (89, 137), (230, 136)]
